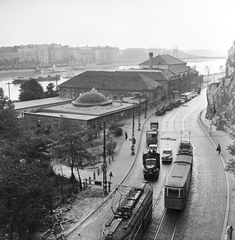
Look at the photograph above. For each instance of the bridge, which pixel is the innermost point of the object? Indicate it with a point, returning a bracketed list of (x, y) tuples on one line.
[(183, 56)]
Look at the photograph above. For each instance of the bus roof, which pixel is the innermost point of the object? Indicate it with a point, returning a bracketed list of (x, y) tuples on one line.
[(185, 94), (183, 158), (178, 175)]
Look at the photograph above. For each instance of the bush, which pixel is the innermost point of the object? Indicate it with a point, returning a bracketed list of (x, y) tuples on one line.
[(110, 147), (117, 132)]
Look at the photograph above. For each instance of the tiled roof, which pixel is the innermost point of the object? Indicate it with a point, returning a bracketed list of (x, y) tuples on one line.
[(120, 80), (164, 60), (157, 76)]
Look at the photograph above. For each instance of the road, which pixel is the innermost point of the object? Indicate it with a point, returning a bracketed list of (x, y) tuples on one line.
[(203, 216)]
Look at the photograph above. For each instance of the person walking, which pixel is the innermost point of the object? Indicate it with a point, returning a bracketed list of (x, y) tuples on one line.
[(218, 149), (126, 136)]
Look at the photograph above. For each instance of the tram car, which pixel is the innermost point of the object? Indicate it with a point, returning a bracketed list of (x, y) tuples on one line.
[(178, 181), (131, 218)]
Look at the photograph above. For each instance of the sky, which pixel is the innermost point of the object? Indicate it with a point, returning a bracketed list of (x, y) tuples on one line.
[(186, 24)]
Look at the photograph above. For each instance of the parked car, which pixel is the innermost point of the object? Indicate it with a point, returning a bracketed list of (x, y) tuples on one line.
[(182, 100), (176, 103), (160, 111), (169, 106), (167, 155)]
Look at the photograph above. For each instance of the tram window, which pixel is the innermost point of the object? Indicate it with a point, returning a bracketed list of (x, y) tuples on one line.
[(165, 191), (181, 193), (173, 192)]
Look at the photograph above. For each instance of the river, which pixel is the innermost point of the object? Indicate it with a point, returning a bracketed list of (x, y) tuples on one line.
[(12, 91)]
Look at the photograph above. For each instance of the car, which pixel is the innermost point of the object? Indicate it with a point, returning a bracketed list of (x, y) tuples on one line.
[(182, 100), (176, 103), (169, 106), (160, 111), (167, 155)]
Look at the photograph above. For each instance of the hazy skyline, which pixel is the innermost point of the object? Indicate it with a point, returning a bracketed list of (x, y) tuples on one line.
[(186, 24)]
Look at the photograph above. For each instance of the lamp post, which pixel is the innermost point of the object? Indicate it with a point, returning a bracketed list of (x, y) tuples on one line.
[(145, 111), (139, 124), (133, 133), (104, 165), (208, 73), (9, 95)]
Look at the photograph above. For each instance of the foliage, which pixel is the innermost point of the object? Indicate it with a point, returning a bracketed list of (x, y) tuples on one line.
[(24, 188), (118, 132), (68, 147), (110, 146), (8, 117), (115, 126), (50, 91), (231, 147), (31, 90)]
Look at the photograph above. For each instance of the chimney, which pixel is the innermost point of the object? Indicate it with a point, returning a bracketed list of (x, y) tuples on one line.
[(150, 60)]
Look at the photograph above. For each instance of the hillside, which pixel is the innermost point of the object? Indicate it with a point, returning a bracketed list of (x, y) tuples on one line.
[(221, 96)]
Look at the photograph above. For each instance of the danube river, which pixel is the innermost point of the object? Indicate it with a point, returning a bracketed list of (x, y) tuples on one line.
[(201, 65)]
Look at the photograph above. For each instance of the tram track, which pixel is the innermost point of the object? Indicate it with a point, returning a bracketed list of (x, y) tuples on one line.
[(168, 225)]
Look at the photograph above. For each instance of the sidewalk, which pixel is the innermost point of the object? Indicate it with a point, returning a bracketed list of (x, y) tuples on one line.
[(125, 160), (224, 140)]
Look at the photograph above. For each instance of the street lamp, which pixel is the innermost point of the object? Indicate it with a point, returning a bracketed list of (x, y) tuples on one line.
[(133, 133), (139, 124), (9, 95), (104, 165), (208, 72), (145, 111)]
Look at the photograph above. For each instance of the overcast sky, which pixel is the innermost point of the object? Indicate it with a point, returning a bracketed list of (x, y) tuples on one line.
[(186, 24)]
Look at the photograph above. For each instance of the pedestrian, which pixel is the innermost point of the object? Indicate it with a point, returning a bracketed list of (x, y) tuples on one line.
[(218, 149), (126, 136)]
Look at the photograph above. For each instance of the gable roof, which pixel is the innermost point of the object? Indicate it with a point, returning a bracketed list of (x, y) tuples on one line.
[(164, 60), (106, 80)]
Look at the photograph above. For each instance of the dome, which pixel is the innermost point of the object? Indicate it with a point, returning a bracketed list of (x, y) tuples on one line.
[(92, 98)]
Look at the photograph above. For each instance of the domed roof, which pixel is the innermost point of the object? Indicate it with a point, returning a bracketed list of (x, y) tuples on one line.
[(92, 98)]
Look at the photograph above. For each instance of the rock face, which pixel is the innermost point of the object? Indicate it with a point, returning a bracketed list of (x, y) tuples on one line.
[(221, 96)]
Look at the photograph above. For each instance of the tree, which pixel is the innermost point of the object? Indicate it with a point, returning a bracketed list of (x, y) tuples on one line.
[(50, 91), (31, 90), (24, 188), (8, 117), (69, 147)]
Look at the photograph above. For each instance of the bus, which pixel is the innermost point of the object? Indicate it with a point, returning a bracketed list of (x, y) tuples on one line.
[(186, 96)]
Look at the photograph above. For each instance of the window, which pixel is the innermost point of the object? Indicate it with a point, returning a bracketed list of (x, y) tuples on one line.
[(173, 192)]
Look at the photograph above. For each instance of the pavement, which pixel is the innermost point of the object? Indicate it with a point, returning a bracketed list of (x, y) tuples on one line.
[(125, 160), (223, 138)]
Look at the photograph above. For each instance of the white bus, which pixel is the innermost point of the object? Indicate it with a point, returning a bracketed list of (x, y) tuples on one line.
[(186, 96)]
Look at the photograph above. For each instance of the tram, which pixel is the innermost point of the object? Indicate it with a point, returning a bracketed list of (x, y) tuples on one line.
[(131, 218), (178, 181)]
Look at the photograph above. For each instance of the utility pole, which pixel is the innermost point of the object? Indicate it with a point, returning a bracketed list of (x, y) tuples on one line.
[(145, 111), (104, 165), (139, 124), (133, 133)]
